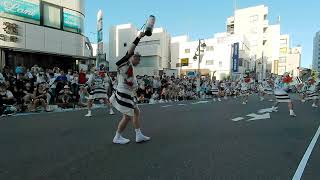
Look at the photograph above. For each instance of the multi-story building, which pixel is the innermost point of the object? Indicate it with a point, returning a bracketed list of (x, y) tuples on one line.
[(265, 40), (289, 58), (43, 32), (316, 52), (215, 56), (154, 50), (253, 23)]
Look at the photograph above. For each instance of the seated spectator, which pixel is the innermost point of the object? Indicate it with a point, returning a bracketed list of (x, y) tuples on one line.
[(83, 96), (40, 98), (6, 101), (154, 98), (6, 96), (65, 98), (27, 94), (148, 95)]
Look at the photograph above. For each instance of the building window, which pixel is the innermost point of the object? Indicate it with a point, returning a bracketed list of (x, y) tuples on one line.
[(282, 60), (265, 16), (240, 61), (283, 42), (220, 63), (253, 19), (187, 51), (254, 30), (209, 62), (51, 16), (210, 48)]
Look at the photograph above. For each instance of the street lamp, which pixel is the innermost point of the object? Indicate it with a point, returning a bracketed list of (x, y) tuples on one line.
[(203, 46)]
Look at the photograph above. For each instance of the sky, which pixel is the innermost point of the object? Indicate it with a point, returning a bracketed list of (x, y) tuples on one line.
[(202, 19)]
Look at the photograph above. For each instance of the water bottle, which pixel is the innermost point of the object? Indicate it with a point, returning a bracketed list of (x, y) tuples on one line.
[(150, 25)]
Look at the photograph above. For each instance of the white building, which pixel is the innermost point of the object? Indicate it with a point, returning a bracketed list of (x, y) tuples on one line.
[(215, 59), (47, 32), (253, 23), (289, 58), (265, 40), (154, 50), (316, 52)]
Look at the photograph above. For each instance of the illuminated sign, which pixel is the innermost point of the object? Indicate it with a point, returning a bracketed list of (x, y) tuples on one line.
[(72, 20), (25, 10)]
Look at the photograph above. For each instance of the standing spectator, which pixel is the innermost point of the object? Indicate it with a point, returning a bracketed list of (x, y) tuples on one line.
[(156, 84), (62, 77), (75, 84), (41, 78), (82, 77), (19, 71)]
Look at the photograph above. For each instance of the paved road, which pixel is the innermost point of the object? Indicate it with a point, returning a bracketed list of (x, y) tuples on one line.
[(190, 140)]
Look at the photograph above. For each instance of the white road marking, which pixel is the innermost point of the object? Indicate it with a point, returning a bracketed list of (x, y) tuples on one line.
[(200, 102), (267, 110), (259, 117), (304, 161), (166, 106), (182, 104), (237, 119)]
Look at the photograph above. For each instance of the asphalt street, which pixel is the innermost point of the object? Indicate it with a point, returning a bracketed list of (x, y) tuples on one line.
[(196, 140)]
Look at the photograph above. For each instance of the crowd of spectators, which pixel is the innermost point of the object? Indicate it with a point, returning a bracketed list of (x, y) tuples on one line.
[(38, 89)]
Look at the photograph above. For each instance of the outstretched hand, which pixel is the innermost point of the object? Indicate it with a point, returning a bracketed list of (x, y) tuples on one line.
[(141, 35)]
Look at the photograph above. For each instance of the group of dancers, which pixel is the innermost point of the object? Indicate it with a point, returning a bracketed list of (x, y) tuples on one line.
[(122, 96), (276, 87)]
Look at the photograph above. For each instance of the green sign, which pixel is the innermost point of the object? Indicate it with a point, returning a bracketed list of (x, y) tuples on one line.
[(25, 9), (72, 20)]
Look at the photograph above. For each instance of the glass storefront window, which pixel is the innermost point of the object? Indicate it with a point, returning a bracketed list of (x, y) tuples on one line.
[(51, 16)]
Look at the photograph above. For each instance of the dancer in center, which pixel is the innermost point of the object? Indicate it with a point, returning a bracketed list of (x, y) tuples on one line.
[(280, 86), (123, 100)]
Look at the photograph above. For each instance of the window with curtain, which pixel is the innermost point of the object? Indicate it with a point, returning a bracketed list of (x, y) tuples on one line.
[(51, 16)]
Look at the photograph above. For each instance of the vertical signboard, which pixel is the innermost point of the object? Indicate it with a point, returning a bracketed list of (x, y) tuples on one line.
[(235, 58), (100, 55)]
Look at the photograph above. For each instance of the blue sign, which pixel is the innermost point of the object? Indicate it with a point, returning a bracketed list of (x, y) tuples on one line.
[(235, 58), (23, 8)]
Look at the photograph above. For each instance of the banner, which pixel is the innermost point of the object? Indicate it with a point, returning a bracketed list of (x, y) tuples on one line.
[(235, 58), (25, 10)]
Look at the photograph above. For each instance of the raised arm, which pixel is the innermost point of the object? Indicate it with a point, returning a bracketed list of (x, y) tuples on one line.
[(130, 52)]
